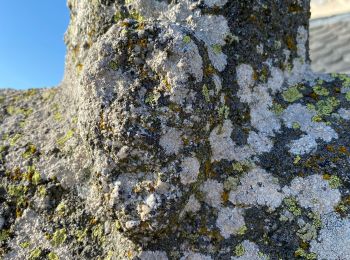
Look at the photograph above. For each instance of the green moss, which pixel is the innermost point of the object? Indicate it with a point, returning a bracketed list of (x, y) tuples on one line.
[(52, 256), (35, 253), (239, 250), (59, 237), (2, 99), (61, 141), (205, 92), (321, 91), (292, 94), (187, 39), (302, 253), (292, 206)]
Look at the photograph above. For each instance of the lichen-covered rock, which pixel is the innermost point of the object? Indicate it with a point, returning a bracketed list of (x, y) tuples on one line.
[(181, 130)]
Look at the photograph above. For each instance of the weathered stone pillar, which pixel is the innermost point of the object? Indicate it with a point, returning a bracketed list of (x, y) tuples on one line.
[(185, 130)]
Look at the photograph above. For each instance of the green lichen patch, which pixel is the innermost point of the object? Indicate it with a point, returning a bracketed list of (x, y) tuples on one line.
[(59, 237), (35, 253), (52, 256), (292, 94), (62, 141), (113, 65), (277, 109), (327, 106), (4, 235), (333, 180), (300, 252), (205, 92), (321, 91), (24, 244), (292, 206), (347, 96), (224, 112), (14, 139), (30, 150), (186, 39), (239, 250), (217, 49)]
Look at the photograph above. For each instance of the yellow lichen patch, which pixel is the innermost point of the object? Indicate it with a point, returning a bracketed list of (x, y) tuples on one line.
[(59, 237), (79, 67), (61, 141)]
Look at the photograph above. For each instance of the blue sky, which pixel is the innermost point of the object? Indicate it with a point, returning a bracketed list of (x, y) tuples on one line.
[(31, 42)]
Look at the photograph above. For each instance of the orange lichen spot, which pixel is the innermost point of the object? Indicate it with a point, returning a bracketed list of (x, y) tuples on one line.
[(326, 176), (225, 196), (79, 67), (344, 150), (291, 43), (330, 148), (208, 71)]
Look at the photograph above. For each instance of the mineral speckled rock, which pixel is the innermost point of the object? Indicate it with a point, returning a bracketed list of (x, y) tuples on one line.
[(181, 130)]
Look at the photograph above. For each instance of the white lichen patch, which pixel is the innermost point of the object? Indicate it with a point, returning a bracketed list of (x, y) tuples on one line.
[(257, 188), (251, 252), (245, 80), (190, 170), (334, 238), (223, 147), (344, 113), (230, 221), (259, 143), (275, 82), (212, 190), (260, 101), (195, 256), (213, 39), (314, 192), (176, 67), (171, 141), (153, 255), (297, 113)]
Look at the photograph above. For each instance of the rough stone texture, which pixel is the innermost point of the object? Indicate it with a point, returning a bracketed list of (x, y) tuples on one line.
[(182, 130)]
